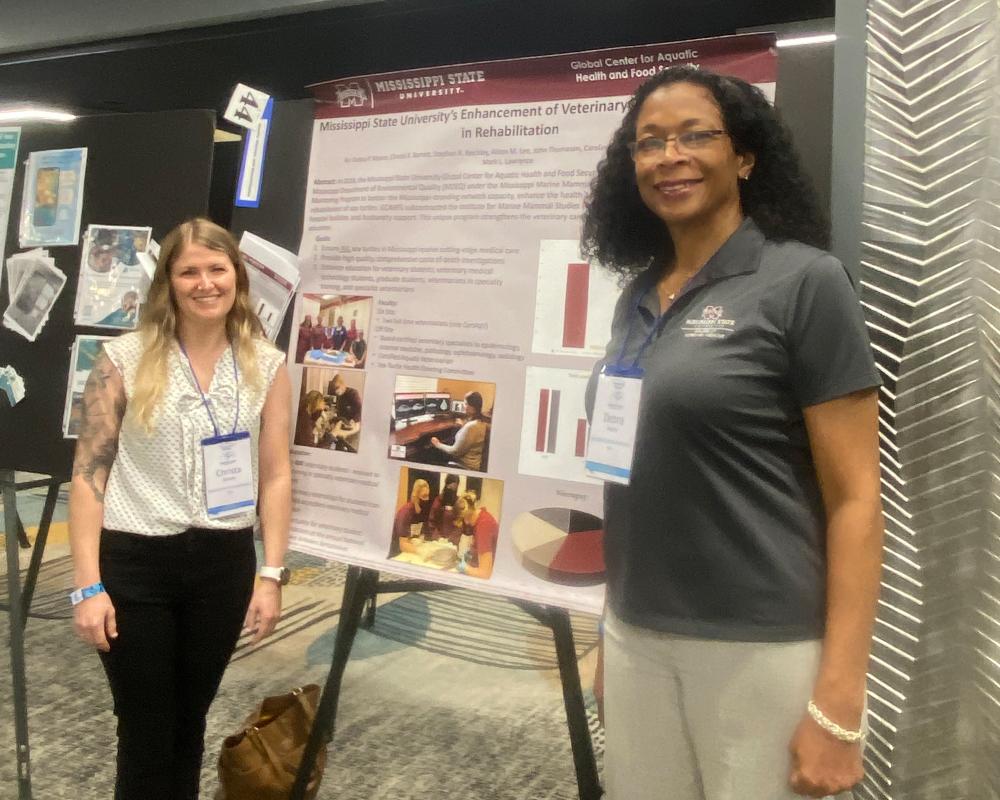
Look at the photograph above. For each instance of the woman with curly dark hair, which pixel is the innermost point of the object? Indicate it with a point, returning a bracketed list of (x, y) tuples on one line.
[(742, 514)]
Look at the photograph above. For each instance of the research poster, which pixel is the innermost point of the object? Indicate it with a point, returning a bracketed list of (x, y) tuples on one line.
[(446, 324)]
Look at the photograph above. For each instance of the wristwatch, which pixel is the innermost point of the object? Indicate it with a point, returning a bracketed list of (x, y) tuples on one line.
[(280, 574)]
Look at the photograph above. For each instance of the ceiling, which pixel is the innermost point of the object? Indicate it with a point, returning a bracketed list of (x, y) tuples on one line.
[(198, 67)]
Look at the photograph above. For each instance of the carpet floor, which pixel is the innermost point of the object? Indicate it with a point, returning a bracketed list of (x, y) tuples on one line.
[(452, 694)]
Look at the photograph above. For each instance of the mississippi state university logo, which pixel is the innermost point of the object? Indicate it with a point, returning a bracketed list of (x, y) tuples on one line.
[(350, 95), (712, 324)]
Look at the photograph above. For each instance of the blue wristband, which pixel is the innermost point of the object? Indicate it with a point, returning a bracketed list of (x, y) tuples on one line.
[(85, 593)]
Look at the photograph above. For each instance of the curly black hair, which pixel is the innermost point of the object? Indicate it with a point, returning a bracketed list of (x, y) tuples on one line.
[(626, 237)]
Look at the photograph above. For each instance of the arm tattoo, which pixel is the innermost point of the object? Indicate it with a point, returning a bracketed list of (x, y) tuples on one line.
[(102, 410)]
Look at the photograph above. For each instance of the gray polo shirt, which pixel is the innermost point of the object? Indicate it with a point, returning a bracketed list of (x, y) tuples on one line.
[(720, 533)]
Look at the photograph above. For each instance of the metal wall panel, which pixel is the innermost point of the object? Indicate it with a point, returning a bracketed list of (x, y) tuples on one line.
[(930, 276)]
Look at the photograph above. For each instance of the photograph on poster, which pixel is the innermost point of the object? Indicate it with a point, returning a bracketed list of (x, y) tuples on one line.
[(332, 330), (113, 279), (442, 421), (85, 352), (329, 414), (560, 545), (572, 312), (52, 198), (38, 288), (554, 425), (446, 521)]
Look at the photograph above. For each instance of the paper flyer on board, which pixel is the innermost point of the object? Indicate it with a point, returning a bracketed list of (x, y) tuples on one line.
[(9, 139), (447, 325), (274, 276), (35, 284), (84, 354), (11, 386), (52, 199), (114, 280)]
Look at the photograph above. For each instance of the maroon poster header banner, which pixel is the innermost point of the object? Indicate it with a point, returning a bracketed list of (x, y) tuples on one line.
[(593, 73)]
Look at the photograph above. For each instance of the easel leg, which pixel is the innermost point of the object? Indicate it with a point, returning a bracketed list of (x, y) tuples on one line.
[(17, 667), (359, 586), (22, 534), (36, 555), (587, 780), (371, 603)]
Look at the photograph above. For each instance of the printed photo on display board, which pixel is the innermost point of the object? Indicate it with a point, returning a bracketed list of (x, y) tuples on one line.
[(85, 352), (572, 308), (35, 285), (442, 421), (329, 413), (333, 330), (53, 197), (113, 280), (446, 521), (554, 426)]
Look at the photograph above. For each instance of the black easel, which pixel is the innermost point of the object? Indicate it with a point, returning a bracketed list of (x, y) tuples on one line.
[(19, 602), (361, 587)]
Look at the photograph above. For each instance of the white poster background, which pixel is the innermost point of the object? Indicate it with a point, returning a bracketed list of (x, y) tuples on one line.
[(440, 192)]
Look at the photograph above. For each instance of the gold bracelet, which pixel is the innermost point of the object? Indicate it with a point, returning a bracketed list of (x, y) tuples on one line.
[(831, 727)]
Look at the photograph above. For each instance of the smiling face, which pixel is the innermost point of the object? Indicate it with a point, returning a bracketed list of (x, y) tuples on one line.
[(203, 285), (688, 185)]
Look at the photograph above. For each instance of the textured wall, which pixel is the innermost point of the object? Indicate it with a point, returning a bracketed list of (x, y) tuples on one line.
[(931, 288)]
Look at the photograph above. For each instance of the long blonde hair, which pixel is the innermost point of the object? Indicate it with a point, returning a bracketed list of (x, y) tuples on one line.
[(418, 486), (158, 326)]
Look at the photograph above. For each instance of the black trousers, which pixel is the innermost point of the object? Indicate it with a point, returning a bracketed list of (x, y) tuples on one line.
[(179, 602)]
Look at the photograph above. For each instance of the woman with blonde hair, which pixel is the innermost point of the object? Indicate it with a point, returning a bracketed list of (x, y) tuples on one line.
[(410, 522), (184, 438)]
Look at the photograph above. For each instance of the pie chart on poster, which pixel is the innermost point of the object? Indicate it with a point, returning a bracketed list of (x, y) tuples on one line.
[(560, 545)]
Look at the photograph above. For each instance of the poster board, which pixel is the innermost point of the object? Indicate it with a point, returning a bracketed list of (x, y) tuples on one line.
[(142, 169), (445, 203)]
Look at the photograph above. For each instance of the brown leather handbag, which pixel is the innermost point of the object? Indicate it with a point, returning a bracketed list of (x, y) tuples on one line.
[(261, 760)]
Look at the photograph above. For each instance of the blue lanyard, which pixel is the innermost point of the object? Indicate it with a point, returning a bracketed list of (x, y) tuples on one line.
[(204, 400), (634, 370)]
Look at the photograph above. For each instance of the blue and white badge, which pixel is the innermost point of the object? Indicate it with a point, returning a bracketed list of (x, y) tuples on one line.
[(227, 460), (613, 425), (228, 469)]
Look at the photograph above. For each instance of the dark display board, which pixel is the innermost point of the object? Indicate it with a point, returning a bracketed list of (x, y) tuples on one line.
[(142, 169)]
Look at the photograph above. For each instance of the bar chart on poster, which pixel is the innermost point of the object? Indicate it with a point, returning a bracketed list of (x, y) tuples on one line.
[(572, 314), (554, 424)]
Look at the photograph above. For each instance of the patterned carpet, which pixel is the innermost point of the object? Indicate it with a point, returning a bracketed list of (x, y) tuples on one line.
[(452, 694)]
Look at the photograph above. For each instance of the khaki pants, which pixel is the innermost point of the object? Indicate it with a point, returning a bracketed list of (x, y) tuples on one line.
[(700, 719)]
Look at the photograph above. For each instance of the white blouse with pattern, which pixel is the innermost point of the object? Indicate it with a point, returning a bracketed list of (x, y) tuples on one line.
[(156, 482)]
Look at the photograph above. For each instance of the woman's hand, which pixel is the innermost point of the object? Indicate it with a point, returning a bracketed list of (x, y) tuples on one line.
[(822, 764), (94, 621), (265, 609)]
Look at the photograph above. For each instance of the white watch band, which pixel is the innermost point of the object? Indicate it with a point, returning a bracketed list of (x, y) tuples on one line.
[(274, 573)]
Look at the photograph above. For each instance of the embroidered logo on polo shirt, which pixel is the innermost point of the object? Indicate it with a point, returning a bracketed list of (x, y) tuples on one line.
[(711, 325)]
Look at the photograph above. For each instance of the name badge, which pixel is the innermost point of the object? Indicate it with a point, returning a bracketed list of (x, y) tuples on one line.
[(228, 474), (613, 427)]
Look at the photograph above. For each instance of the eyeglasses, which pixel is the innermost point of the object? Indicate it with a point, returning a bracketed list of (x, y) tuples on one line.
[(653, 146)]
